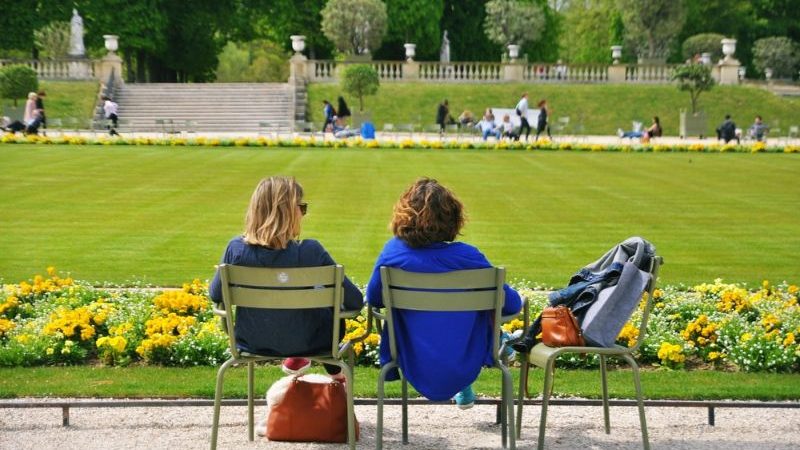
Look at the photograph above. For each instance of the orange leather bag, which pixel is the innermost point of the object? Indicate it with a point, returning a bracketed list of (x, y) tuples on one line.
[(560, 328), (310, 412)]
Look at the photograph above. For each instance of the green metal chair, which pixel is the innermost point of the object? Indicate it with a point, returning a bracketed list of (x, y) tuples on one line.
[(545, 357), (462, 290), (283, 288)]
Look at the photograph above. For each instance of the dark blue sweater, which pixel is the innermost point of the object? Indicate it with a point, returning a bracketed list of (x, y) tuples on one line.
[(283, 332)]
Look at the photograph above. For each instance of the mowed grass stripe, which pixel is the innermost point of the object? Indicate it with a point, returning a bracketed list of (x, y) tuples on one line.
[(164, 214)]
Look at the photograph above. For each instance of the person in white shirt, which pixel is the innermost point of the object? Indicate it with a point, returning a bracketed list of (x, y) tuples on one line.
[(522, 112), (110, 110)]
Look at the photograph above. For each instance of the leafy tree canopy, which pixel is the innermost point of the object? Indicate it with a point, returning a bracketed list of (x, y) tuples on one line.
[(780, 54), (16, 81), (513, 22), (651, 26), (360, 80), (694, 78), (354, 26)]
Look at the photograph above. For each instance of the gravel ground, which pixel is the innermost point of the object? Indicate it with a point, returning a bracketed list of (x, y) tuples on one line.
[(430, 427)]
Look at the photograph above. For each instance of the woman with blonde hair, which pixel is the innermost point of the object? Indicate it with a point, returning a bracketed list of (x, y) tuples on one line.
[(270, 239), (427, 220)]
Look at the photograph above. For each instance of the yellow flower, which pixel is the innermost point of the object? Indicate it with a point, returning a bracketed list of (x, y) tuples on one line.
[(789, 340), (49, 351)]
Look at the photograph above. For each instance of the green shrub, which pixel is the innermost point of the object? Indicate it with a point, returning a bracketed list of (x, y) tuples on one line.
[(360, 80), (16, 81), (780, 54), (703, 43)]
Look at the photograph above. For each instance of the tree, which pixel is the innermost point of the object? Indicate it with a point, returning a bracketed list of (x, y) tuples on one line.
[(463, 20), (360, 80), (694, 78), (780, 54), (53, 39), (412, 21), (354, 26), (513, 22), (703, 43), (651, 26), (590, 36), (16, 81), (256, 61)]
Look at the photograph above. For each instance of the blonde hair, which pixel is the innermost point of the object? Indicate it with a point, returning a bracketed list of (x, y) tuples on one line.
[(272, 219)]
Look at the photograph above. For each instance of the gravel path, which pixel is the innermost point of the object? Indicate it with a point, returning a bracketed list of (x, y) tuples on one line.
[(430, 427)]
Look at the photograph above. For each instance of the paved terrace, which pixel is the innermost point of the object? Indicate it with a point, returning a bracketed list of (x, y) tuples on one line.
[(430, 427)]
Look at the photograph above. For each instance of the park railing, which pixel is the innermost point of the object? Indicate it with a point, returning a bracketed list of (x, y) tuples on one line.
[(491, 72), (58, 69)]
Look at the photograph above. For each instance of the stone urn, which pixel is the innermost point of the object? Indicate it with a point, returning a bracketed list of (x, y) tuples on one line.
[(728, 48), (411, 51), (513, 51), (616, 53), (111, 42), (298, 43)]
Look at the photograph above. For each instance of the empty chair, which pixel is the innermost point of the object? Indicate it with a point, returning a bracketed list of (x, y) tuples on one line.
[(545, 357), (388, 128)]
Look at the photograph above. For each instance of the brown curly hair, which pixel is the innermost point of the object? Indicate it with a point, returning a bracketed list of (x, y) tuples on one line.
[(427, 212)]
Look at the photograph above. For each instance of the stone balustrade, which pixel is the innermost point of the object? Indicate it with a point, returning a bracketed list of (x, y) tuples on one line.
[(493, 72), (59, 69)]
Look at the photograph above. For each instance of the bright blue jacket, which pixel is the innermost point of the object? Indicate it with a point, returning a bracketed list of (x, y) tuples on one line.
[(467, 335)]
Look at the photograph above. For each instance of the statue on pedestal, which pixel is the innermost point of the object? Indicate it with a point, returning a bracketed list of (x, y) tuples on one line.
[(444, 53), (76, 48)]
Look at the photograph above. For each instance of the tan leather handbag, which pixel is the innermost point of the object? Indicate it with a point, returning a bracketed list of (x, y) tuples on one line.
[(310, 412), (560, 328)]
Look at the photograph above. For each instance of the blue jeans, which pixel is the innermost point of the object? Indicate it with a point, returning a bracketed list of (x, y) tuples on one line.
[(487, 132)]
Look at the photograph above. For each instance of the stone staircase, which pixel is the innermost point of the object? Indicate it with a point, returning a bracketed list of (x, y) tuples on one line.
[(199, 107)]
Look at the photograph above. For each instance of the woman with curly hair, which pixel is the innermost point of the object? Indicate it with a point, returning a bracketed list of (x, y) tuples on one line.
[(426, 222)]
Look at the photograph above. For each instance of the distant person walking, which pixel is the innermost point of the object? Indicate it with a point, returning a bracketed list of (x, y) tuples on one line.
[(40, 106), (442, 113), (522, 112), (543, 123), (343, 112), (727, 130), (110, 109), (32, 116), (328, 113)]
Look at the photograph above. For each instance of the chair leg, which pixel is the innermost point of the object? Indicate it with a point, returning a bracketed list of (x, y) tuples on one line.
[(547, 391), (250, 412), (351, 414), (507, 402), (379, 419), (639, 401), (217, 401), (604, 385), (523, 388), (405, 408)]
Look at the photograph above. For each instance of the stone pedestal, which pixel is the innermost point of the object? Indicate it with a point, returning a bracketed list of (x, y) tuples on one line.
[(728, 71), (512, 71), (298, 69), (411, 71), (616, 73), (110, 63)]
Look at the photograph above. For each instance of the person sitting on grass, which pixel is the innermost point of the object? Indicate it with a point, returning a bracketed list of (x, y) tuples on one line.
[(427, 219), (270, 239), (654, 130)]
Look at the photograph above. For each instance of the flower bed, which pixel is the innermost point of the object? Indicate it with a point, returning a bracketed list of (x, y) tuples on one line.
[(434, 144), (51, 320)]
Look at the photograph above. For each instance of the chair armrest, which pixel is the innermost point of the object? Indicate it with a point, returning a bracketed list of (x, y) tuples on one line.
[(217, 311), (346, 346), (349, 314), (376, 313)]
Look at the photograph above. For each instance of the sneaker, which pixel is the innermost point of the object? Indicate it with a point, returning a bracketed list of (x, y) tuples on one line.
[(505, 343), (466, 398), (620, 133), (295, 366)]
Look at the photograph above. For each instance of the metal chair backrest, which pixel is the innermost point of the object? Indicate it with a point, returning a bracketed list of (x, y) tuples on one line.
[(655, 264), (460, 290), (282, 288)]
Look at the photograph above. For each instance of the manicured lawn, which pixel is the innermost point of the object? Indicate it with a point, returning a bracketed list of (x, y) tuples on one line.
[(133, 382), (66, 99), (163, 215), (600, 108)]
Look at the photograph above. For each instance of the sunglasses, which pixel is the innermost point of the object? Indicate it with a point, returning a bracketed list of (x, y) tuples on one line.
[(303, 208)]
